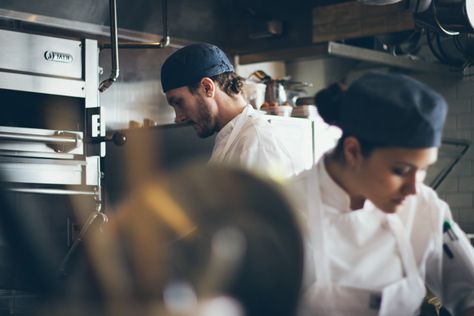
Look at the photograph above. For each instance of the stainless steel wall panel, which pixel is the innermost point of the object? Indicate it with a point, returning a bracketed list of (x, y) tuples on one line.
[(137, 94)]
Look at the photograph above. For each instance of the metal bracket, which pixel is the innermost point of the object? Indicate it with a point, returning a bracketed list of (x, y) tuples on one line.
[(95, 130)]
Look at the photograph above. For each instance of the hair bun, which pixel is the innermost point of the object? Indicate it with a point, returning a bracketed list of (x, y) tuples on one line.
[(328, 102)]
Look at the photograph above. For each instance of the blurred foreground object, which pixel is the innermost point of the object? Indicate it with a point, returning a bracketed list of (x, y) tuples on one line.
[(200, 241)]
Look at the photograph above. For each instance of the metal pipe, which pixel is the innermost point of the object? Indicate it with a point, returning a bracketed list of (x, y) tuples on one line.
[(164, 41), (104, 85), (90, 220)]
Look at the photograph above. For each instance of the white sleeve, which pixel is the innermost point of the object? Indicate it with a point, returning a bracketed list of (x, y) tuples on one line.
[(451, 276)]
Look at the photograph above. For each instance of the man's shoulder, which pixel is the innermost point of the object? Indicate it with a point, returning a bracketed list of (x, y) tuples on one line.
[(258, 119), (257, 124)]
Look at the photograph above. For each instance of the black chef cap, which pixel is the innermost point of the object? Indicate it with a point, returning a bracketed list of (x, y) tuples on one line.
[(393, 110), (189, 64)]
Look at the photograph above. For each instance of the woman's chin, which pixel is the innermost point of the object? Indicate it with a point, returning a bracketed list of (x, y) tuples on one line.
[(391, 208)]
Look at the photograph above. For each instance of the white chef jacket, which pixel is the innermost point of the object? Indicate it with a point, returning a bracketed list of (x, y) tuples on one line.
[(248, 141), (362, 252)]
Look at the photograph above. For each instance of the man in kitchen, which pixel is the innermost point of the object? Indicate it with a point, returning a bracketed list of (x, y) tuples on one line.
[(202, 87)]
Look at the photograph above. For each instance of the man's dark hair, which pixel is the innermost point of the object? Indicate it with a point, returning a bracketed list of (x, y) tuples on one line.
[(230, 82)]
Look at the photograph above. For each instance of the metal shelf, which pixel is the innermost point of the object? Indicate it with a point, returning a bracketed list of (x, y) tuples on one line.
[(370, 55)]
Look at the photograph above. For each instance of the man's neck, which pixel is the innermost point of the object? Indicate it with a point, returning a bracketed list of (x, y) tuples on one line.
[(229, 107)]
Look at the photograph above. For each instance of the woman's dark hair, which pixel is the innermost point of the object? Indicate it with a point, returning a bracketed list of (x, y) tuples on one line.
[(229, 82), (366, 147), (329, 102)]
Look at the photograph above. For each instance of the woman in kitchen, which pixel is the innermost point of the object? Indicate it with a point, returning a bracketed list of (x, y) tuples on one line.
[(375, 231)]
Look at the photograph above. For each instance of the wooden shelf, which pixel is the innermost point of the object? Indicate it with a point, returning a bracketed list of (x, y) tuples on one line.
[(354, 20), (319, 50)]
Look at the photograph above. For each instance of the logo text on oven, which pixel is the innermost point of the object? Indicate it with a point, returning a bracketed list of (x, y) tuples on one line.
[(58, 57)]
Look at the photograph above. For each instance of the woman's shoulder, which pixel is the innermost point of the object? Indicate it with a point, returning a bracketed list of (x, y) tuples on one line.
[(429, 196), (308, 175), (306, 180), (428, 206)]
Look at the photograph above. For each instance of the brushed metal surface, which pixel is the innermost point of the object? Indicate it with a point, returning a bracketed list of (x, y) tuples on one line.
[(370, 55), (52, 191), (41, 84), (37, 54), (33, 140), (91, 73), (41, 173)]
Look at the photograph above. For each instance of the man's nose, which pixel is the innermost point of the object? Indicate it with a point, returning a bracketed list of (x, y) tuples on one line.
[(180, 117)]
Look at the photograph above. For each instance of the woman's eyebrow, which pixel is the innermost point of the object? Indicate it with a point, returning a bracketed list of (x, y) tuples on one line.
[(404, 163), (399, 162)]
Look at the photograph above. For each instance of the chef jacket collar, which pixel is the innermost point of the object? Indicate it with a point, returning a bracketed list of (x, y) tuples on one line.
[(227, 129), (335, 196)]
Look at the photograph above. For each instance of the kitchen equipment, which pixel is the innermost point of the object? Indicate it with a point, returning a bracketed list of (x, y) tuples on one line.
[(52, 136), (305, 108), (280, 91), (275, 91), (254, 93), (449, 17), (305, 111)]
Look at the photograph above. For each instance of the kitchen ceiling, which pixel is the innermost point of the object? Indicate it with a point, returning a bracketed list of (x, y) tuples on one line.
[(223, 22), (239, 26)]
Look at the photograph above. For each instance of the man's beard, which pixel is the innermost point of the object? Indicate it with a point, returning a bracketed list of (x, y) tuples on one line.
[(206, 123)]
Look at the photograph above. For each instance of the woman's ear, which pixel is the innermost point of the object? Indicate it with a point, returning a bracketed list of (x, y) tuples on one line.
[(352, 151), (209, 87)]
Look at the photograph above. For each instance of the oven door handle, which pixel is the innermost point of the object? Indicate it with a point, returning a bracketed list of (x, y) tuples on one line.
[(52, 191), (61, 141)]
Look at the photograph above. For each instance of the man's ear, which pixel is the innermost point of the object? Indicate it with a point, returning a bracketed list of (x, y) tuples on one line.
[(209, 87), (352, 151)]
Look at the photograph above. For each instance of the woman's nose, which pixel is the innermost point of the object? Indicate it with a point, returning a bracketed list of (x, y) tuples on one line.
[(409, 187)]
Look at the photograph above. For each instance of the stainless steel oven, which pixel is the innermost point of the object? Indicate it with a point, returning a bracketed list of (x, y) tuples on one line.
[(50, 111), (51, 142)]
